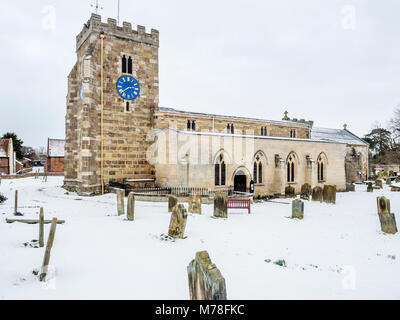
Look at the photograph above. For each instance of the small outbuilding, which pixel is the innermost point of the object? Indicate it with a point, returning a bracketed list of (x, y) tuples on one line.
[(7, 157), (55, 155)]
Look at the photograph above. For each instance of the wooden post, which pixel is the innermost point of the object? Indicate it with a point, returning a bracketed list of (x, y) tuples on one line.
[(49, 245), (16, 203), (41, 228)]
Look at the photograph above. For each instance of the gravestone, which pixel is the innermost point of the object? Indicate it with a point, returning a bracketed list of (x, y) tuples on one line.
[(289, 192), (177, 223), (317, 194), (370, 188), (306, 191), (297, 209), (386, 218), (120, 202), (350, 187), (391, 173), (195, 204), (378, 183), (397, 179), (383, 205), (329, 194), (221, 205), (205, 280), (388, 223), (130, 210), (388, 181), (172, 202)]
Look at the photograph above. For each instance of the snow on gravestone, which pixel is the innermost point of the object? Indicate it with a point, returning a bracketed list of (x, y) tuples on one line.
[(172, 202), (386, 218), (177, 223), (120, 202), (130, 210), (297, 209), (221, 205), (195, 204), (329, 194), (205, 280), (317, 194)]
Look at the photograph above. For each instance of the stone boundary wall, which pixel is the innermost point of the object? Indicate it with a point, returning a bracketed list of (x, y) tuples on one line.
[(31, 175)]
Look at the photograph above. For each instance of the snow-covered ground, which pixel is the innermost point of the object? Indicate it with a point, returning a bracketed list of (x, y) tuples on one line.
[(336, 252)]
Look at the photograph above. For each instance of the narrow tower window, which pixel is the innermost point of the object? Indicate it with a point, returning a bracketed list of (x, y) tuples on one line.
[(123, 64), (130, 65), (127, 106)]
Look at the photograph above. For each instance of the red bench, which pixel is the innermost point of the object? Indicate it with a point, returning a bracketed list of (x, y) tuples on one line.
[(239, 204)]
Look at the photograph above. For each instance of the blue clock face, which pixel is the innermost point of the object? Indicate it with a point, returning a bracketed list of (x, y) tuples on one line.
[(128, 87)]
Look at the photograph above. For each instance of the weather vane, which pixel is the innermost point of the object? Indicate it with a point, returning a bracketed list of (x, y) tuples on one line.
[(97, 6)]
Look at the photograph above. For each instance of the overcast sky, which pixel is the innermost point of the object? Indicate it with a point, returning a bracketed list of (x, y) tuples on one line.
[(330, 61)]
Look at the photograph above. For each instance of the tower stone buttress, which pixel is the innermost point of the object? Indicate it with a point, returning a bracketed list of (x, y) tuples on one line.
[(125, 126)]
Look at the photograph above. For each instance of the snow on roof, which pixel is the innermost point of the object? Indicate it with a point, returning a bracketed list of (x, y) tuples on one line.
[(4, 147), (56, 148), (171, 110), (336, 135)]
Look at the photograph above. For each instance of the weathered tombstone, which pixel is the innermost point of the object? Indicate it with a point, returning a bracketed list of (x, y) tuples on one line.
[(41, 228), (388, 181), (383, 205), (329, 194), (177, 223), (120, 202), (205, 280), (388, 223), (370, 188), (317, 194), (297, 209), (397, 179), (289, 192), (306, 191), (386, 218), (130, 210), (49, 245), (16, 203), (391, 173), (195, 204), (378, 183), (221, 205), (172, 202), (350, 187)]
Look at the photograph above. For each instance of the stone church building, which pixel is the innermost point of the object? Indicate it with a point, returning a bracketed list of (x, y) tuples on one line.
[(116, 131)]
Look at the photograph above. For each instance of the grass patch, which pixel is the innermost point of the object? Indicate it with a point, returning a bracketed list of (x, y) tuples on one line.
[(3, 198), (281, 263)]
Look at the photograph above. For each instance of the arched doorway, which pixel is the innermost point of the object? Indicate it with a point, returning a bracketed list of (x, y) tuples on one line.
[(240, 182)]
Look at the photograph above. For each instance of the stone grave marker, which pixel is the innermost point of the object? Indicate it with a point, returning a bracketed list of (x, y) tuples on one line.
[(329, 194), (297, 209), (130, 210), (120, 202), (205, 280), (221, 205), (306, 191), (317, 194), (378, 183), (289, 192), (370, 188), (172, 202), (177, 223), (195, 204)]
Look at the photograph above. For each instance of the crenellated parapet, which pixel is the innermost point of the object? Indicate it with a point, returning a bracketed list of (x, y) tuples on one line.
[(95, 25)]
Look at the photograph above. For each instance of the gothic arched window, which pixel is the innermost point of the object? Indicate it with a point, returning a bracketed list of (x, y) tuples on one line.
[(123, 64), (321, 168), (291, 168), (194, 125), (188, 125), (130, 65), (220, 171), (257, 170)]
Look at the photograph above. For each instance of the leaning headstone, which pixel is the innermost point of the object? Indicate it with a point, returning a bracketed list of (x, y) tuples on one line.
[(383, 205), (317, 194), (329, 194), (370, 188), (205, 280), (221, 205), (388, 223), (177, 223), (120, 202), (195, 204), (172, 202), (306, 191), (297, 209), (378, 183), (388, 181), (130, 210), (289, 192)]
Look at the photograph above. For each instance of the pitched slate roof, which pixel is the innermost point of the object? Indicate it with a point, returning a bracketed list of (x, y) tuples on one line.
[(171, 110), (55, 148), (4, 147), (336, 135)]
